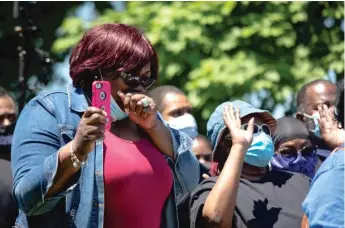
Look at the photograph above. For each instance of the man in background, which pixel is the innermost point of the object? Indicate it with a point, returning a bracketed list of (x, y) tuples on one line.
[(8, 117), (175, 109), (310, 96), (203, 151)]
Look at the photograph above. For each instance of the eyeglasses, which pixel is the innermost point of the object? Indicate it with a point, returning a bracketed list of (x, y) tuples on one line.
[(134, 81), (291, 153), (257, 128)]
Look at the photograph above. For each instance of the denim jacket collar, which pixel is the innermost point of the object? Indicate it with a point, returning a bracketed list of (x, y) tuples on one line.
[(76, 98)]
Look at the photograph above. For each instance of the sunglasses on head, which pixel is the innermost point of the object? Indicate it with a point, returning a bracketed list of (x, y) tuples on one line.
[(258, 128), (291, 153), (134, 81)]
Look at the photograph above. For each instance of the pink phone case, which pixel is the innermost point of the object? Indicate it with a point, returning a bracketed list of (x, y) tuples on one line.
[(101, 93)]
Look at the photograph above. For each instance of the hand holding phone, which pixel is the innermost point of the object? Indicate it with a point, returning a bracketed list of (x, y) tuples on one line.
[(101, 94)]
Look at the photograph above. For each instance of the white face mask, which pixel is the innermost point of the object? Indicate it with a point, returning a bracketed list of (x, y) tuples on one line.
[(185, 123), (313, 123)]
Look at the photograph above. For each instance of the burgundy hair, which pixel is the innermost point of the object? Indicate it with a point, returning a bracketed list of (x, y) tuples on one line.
[(112, 47)]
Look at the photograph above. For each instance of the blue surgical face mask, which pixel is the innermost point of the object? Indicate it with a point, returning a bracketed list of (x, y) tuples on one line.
[(116, 111), (313, 123), (261, 151), (185, 123)]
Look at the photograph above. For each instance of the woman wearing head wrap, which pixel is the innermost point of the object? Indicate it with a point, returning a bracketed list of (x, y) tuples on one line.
[(293, 148), (245, 192)]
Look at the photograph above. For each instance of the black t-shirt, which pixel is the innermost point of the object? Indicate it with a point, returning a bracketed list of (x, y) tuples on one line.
[(8, 209), (274, 201)]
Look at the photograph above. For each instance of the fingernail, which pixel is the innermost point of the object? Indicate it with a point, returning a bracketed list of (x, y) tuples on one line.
[(119, 92)]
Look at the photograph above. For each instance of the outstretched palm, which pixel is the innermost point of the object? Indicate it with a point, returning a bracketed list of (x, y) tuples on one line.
[(330, 132), (233, 122)]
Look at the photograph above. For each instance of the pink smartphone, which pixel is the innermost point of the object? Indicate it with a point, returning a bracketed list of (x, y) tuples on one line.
[(101, 93)]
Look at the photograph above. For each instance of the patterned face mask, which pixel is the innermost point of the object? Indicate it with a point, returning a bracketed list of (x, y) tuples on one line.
[(289, 159)]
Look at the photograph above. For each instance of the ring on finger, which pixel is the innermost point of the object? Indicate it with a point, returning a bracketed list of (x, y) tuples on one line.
[(146, 102), (146, 109)]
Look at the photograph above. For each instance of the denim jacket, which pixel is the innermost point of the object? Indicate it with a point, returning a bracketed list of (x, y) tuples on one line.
[(48, 122)]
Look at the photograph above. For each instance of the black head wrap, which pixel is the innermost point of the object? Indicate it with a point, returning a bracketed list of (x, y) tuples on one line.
[(289, 128)]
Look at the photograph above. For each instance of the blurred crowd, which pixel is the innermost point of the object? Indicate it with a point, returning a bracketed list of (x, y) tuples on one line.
[(250, 170)]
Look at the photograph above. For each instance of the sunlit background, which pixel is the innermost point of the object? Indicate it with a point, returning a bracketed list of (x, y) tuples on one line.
[(261, 52)]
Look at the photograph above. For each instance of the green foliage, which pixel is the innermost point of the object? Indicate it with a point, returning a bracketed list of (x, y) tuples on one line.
[(219, 51)]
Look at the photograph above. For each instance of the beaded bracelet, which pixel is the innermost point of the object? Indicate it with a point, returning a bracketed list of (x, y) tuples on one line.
[(75, 161)]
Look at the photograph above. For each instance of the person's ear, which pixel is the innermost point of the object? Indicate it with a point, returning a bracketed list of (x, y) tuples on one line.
[(300, 116)]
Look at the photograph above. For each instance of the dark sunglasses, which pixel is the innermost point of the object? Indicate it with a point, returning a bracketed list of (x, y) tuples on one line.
[(290, 153), (134, 81), (257, 128)]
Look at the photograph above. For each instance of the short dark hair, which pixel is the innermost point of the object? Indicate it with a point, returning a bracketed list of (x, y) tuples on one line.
[(3, 92), (6, 94), (158, 93), (301, 95), (112, 47), (339, 103)]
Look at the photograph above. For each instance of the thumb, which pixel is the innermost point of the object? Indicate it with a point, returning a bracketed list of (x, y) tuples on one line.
[(251, 125), (121, 95)]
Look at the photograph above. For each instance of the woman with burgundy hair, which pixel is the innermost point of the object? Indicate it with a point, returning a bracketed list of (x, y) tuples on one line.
[(70, 172)]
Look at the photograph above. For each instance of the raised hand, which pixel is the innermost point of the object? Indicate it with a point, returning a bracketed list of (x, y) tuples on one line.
[(91, 128), (141, 109), (233, 122), (330, 131)]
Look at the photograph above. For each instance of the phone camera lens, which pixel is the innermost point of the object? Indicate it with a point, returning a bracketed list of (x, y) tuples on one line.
[(102, 95), (98, 85), (102, 107)]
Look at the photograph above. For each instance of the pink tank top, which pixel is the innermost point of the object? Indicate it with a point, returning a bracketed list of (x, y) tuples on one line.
[(137, 180)]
